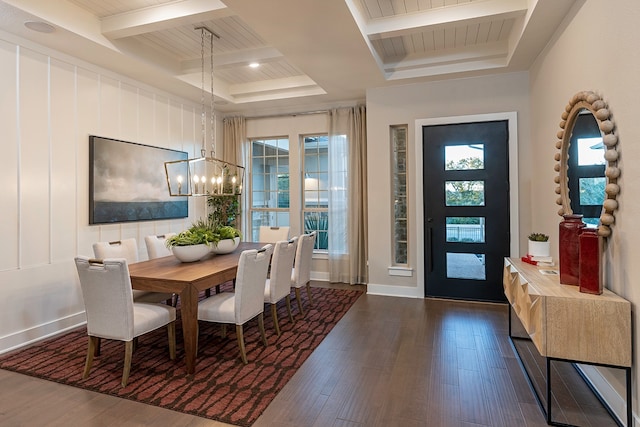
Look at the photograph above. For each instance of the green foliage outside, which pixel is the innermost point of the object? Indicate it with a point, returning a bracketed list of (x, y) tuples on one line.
[(319, 222)]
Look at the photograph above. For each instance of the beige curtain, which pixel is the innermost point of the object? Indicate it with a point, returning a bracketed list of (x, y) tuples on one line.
[(233, 135), (348, 195)]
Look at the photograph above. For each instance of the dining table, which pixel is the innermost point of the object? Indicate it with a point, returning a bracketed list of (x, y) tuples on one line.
[(188, 280)]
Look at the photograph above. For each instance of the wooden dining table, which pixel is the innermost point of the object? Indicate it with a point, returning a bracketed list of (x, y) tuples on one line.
[(187, 279)]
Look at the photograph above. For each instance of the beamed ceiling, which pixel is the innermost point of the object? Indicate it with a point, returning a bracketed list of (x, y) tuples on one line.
[(312, 53)]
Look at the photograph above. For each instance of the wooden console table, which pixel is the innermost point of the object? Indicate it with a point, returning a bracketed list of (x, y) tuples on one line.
[(567, 325)]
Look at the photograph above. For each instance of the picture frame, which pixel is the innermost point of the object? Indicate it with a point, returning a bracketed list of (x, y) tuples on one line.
[(127, 182)]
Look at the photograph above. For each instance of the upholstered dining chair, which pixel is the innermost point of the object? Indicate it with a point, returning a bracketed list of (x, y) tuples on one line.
[(156, 246), (112, 313), (301, 272), (128, 249), (269, 234), (278, 284), (246, 301)]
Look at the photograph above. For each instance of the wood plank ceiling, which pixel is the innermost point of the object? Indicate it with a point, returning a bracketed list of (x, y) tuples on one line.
[(309, 52)]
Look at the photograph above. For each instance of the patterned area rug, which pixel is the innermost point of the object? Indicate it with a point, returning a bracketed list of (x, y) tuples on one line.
[(222, 388)]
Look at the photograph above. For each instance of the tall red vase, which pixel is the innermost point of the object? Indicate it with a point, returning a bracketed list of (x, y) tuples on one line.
[(569, 248), (590, 262)]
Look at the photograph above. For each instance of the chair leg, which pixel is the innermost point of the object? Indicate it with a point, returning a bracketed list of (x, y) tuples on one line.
[(97, 347), (287, 300), (309, 293), (217, 289), (299, 301), (261, 325), (128, 352), (240, 335), (224, 330), (171, 331), (274, 315), (207, 292), (93, 341)]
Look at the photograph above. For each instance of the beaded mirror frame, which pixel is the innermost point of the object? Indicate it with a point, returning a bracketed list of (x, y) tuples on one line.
[(599, 109)]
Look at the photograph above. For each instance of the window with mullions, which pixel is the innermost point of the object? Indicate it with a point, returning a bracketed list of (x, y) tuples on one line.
[(269, 184), (315, 209)]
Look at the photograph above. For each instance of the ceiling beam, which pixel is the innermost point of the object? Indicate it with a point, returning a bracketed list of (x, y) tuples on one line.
[(462, 14), (162, 17)]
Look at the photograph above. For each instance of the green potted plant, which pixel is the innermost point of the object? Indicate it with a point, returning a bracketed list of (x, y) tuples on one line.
[(222, 218), (192, 244), (539, 245)]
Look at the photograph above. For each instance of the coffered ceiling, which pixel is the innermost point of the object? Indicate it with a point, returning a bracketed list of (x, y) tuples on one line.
[(311, 52)]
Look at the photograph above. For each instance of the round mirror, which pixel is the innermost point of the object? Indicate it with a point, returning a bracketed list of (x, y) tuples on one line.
[(588, 162)]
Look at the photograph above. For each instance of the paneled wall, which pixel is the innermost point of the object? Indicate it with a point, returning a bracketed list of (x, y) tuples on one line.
[(49, 105)]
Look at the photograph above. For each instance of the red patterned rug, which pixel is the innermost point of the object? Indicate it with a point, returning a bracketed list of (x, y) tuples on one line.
[(222, 388)]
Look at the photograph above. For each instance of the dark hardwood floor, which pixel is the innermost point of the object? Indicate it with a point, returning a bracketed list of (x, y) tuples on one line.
[(389, 362)]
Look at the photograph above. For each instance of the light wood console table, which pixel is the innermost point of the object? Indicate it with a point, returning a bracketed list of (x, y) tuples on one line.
[(567, 325)]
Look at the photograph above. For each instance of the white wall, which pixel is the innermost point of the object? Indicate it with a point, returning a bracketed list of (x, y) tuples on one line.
[(596, 50), (49, 105), (404, 105)]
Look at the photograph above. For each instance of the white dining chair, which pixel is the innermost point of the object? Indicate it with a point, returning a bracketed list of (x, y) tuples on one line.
[(278, 284), (112, 313), (128, 249), (270, 234), (301, 272), (246, 301), (156, 245)]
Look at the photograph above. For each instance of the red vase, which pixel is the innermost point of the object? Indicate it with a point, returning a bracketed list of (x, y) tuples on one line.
[(590, 265), (569, 248)]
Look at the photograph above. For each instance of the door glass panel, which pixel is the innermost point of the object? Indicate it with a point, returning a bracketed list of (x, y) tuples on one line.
[(590, 151), (592, 190), (466, 229), (465, 266), (464, 193), (464, 157)]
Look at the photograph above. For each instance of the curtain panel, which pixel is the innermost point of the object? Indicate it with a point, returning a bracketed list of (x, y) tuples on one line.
[(348, 195)]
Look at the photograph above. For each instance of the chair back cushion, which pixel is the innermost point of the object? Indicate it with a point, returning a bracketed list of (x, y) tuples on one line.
[(107, 295), (284, 253), (126, 248), (156, 247), (273, 234), (304, 254), (250, 279)]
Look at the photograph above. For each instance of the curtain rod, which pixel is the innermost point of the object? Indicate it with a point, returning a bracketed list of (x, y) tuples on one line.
[(271, 116)]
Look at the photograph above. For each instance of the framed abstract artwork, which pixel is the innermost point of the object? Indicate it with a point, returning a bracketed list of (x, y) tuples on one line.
[(127, 182)]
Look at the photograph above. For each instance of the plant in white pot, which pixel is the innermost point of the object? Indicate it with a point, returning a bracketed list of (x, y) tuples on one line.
[(223, 214), (539, 245), (228, 241), (192, 244)]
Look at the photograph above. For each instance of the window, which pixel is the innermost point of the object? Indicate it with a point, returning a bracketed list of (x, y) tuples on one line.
[(269, 184), (316, 188), (399, 194)]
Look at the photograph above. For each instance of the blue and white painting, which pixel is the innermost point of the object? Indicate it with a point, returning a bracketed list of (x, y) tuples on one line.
[(127, 182)]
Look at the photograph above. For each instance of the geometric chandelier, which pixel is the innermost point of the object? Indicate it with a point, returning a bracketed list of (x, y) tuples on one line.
[(205, 175)]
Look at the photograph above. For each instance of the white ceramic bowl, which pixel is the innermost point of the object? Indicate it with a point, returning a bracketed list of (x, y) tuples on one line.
[(225, 246), (190, 253)]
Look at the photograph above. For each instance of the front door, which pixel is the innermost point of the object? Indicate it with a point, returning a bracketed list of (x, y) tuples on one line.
[(466, 209)]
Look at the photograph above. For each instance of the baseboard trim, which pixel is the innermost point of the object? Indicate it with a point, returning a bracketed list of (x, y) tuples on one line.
[(394, 291), (607, 392), (41, 332)]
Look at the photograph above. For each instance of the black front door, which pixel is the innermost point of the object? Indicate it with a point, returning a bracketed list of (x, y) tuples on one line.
[(466, 198)]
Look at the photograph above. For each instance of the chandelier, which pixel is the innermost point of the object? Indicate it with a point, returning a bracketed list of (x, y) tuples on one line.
[(205, 175)]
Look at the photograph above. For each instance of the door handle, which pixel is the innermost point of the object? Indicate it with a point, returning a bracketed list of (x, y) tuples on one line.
[(430, 248)]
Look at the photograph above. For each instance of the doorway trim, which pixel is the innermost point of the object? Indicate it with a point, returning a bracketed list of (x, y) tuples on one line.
[(512, 118)]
